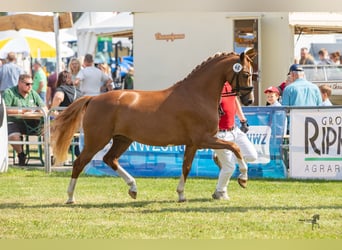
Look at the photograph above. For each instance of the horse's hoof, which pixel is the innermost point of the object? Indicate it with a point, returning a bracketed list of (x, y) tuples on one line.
[(242, 183), (182, 200), (70, 202), (133, 194)]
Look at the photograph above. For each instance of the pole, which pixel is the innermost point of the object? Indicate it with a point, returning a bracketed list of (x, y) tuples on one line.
[(56, 28)]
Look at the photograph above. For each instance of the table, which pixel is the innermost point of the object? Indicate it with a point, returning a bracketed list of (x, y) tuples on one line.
[(28, 115)]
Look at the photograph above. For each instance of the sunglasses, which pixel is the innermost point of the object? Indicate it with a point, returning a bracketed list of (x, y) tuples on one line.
[(27, 83)]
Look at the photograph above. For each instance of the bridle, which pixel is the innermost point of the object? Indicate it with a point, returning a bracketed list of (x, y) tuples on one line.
[(237, 90)]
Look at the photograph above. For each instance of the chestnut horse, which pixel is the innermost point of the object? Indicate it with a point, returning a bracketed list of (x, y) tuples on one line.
[(184, 114)]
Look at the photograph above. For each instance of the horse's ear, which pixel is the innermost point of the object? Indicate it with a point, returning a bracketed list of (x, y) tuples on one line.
[(251, 53)]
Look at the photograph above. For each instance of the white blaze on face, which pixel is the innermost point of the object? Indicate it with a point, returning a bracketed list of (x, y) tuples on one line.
[(250, 83), (251, 77)]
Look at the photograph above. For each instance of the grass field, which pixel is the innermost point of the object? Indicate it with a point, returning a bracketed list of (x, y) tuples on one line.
[(32, 207)]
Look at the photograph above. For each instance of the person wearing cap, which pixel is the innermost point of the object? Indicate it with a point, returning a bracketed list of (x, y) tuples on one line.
[(9, 72), (39, 80), (300, 92), (272, 96)]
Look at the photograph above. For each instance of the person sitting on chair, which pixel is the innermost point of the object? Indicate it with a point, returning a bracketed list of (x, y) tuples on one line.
[(22, 96), (66, 93)]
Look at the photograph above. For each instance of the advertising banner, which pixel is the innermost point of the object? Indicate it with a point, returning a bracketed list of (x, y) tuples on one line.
[(266, 129), (315, 143)]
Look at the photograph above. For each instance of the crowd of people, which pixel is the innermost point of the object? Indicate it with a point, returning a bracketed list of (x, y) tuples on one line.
[(325, 58), (296, 90), (36, 89)]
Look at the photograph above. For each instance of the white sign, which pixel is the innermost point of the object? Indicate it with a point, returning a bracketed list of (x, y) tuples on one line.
[(4, 139), (260, 137), (316, 143)]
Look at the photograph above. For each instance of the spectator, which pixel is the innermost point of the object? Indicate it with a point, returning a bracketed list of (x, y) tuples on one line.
[(51, 88), (23, 96), (285, 83), (74, 68), (104, 67), (91, 79), (323, 57), (66, 93), (335, 58), (39, 80), (326, 93), (272, 96), (129, 79), (300, 92), (52, 85), (306, 57), (9, 72)]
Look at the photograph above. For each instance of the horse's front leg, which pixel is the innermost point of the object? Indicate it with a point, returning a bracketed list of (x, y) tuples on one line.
[(215, 143), (189, 155)]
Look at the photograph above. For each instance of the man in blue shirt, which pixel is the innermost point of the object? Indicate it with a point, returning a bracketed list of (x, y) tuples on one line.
[(300, 92), (9, 73)]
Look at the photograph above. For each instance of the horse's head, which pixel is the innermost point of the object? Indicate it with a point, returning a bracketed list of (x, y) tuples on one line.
[(241, 80)]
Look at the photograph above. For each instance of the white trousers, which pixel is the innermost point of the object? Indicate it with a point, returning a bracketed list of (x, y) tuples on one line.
[(227, 158)]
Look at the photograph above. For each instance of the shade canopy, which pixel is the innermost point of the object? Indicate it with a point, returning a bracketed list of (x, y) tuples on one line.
[(30, 43)]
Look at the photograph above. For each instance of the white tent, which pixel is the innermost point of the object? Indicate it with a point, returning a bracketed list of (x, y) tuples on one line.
[(117, 23), (87, 19)]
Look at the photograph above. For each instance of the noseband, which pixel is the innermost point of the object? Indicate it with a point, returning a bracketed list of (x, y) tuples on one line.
[(236, 91), (238, 88)]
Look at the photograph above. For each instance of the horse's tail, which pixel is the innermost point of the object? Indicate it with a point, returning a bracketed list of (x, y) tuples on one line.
[(64, 127)]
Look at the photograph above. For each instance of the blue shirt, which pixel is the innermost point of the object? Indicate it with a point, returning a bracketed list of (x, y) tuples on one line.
[(301, 93), (9, 75)]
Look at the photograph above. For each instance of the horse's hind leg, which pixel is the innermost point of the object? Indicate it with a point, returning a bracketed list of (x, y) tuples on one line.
[(189, 155), (120, 145), (82, 160), (79, 164)]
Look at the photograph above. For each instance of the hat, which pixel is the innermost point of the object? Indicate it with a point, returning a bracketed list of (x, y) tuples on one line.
[(272, 90), (295, 67)]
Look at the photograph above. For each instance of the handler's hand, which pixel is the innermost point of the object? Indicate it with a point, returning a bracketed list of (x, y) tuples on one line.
[(244, 126)]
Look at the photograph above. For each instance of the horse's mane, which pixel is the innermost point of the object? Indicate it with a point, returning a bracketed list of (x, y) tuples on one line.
[(217, 56)]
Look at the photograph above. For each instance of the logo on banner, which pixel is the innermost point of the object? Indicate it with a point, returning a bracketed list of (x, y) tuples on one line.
[(260, 137), (321, 142)]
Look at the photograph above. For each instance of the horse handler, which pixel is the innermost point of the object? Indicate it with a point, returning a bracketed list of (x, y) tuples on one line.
[(228, 131)]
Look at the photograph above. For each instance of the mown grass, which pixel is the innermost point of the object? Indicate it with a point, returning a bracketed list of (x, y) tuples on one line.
[(32, 207)]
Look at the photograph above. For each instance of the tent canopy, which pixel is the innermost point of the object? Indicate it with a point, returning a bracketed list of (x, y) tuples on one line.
[(118, 25), (29, 42)]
